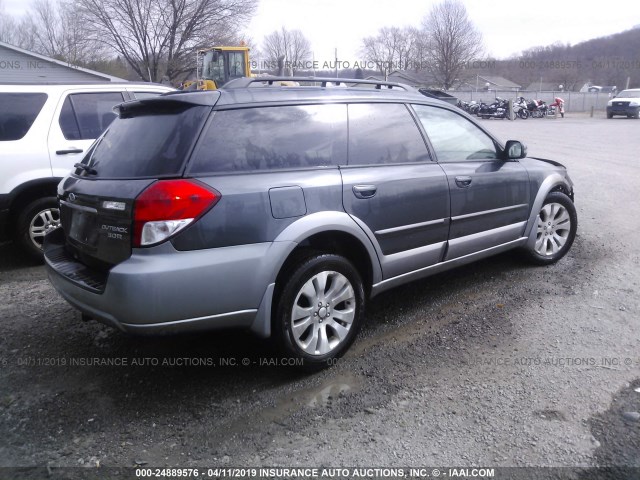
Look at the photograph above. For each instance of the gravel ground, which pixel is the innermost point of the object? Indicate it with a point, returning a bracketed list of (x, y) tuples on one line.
[(493, 364)]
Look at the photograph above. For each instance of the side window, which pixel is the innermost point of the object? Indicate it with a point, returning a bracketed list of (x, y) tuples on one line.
[(18, 111), (85, 116), (271, 138), (143, 95), (68, 121), (381, 133), (455, 138)]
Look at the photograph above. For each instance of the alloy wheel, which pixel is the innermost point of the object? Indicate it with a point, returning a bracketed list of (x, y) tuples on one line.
[(42, 223), (554, 226), (323, 312)]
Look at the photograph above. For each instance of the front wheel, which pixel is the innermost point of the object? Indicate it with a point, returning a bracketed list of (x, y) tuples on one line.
[(523, 114), (319, 310), (36, 220), (556, 226)]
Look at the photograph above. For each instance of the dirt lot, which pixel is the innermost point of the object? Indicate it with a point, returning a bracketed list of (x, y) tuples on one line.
[(494, 364)]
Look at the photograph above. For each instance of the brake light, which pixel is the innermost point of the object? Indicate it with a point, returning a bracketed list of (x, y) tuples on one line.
[(168, 206)]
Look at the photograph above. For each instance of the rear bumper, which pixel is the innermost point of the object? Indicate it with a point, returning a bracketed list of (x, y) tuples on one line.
[(162, 290)]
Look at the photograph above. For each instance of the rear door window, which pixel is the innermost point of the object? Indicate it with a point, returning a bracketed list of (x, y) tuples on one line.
[(18, 111), (273, 138), (84, 116), (384, 133)]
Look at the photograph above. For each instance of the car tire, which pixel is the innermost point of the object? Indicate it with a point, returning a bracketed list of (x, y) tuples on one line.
[(319, 311), (556, 224), (34, 221), (609, 115)]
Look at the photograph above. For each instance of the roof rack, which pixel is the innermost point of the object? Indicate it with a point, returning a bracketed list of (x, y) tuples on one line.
[(323, 81)]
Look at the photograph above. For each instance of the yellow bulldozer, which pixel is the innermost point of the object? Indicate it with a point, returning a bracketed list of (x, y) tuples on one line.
[(216, 66)]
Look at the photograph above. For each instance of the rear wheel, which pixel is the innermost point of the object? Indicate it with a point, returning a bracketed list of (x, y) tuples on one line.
[(36, 220), (556, 226), (319, 310)]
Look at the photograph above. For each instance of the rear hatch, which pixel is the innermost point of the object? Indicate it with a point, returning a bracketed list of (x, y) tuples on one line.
[(150, 140)]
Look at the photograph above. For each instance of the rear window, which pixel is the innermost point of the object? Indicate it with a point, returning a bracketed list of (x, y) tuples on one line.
[(18, 111), (273, 138), (148, 143)]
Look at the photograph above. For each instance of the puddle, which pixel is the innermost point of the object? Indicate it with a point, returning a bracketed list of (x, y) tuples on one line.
[(319, 398)]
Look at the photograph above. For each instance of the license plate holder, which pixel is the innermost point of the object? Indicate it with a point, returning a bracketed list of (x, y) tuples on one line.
[(83, 227)]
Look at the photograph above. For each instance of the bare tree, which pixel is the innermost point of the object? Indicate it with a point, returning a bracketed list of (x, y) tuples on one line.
[(452, 41), (20, 32), (160, 37), (290, 44), (8, 27), (60, 32), (391, 49)]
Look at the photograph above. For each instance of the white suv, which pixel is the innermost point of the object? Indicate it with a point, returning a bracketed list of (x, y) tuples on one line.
[(44, 131)]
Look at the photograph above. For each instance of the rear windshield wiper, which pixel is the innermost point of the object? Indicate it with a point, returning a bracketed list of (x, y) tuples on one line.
[(86, 168)]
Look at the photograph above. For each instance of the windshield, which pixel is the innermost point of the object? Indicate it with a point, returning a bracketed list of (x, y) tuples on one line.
[(149, 142), (629, 94)]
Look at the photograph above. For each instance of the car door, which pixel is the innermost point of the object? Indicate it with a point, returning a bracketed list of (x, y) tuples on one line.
[(80, 118), (489, 195), (393, 189)]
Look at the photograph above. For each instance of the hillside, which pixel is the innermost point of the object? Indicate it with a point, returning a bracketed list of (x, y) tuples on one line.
[(601, 61)]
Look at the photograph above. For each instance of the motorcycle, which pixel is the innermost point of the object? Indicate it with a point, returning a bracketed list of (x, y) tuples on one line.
[(469, 107), (520, 109), (537, 108), (559, 104), (498, 109)]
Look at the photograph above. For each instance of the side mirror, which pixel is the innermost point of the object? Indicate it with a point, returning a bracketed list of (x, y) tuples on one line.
[(514, 150)]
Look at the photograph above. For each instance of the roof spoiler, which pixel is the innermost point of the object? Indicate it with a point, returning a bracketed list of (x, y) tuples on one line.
[(322, 81), (198, 97)]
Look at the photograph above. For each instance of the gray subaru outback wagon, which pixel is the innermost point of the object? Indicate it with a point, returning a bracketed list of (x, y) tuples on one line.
[(283, 209)]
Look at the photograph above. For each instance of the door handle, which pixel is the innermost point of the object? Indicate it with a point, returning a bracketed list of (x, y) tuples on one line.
[(463, 182), (71, 150), (364, 191)]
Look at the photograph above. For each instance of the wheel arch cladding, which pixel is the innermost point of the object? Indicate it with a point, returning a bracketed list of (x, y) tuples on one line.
[(553, 183), (333, 232)]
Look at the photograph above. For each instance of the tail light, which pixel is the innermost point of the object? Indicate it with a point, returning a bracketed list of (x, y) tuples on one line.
[(168, 206)]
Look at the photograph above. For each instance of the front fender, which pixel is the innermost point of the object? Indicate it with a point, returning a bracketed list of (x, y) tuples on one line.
[(549, 184)]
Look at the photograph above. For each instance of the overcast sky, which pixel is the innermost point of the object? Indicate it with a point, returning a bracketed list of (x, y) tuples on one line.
[(508, 26)]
